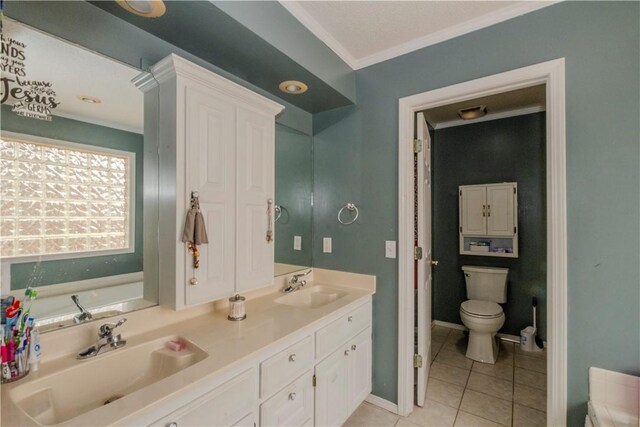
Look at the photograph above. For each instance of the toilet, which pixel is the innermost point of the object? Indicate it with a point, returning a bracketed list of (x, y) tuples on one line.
[(486, 288)]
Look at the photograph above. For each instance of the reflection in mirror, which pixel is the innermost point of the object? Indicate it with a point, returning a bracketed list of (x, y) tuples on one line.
[(294, 200), (71, 191)]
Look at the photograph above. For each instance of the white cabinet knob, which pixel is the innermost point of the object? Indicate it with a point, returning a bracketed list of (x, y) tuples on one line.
[(292, 357), (353, 347), (172, 425), (346, 352), (292, 396), (350, 319), (193, 281)]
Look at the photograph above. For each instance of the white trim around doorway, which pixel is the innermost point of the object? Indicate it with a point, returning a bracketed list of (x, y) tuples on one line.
[(552, 74)]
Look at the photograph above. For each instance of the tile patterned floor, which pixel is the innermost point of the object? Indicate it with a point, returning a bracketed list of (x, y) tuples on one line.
[(462, 392)]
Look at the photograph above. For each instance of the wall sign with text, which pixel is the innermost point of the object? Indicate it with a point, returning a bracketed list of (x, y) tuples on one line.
[(29, 98)]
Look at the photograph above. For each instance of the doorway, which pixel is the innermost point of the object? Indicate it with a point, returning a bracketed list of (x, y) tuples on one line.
[(550, 74)]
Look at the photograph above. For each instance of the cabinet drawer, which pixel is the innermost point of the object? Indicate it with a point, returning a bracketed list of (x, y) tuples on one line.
[(292, 406), (336, 333), (284, 367), (226, 405)]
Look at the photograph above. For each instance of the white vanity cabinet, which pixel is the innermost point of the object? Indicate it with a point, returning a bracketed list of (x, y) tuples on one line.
[(488, 216), (313, 378), (216, 140)]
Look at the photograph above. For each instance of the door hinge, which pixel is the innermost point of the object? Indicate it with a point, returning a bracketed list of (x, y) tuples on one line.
[(313, 381), (417, 252), (417, 145), (461, 229), (514, 190), (515, 230), (417, 361)]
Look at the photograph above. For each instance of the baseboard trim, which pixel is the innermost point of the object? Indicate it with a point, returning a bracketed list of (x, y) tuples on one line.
[(449, 325), (505, 337), (382, 403)]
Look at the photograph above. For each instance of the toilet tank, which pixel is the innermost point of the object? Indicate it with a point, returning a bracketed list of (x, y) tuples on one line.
[(486, 283)]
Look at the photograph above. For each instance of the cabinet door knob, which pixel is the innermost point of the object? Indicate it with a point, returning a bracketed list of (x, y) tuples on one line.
[(346, 352), (434, 263), (353, 347), (350, 319), (292, 357), (174, 424), (193, 281), (292, 396)]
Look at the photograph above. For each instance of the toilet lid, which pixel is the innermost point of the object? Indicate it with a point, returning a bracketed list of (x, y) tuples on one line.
[(476, 307)]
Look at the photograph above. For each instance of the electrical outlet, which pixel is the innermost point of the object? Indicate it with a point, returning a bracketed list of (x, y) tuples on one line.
[(326, 245), (390, 248), (297, 243)]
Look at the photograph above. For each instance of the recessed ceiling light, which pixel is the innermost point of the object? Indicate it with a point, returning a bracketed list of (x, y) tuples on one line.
[(146, 8), (472, 112), (293, 87), (89, 99)]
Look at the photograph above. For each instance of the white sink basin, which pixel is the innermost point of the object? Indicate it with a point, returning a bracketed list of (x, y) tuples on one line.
[(313, 297), (101, 380)]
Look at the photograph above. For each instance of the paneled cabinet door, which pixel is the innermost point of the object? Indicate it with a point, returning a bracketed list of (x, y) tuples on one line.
[(210, 125), (500, 215), (359, 369), (332, 394), (255, 187), (473, 210), (228, 405)]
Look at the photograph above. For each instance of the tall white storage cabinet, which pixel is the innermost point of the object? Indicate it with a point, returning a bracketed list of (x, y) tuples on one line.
[(489, 219), (216, 140)]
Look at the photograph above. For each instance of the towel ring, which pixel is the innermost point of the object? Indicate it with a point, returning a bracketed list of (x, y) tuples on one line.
[(351, 208), (278, 210)]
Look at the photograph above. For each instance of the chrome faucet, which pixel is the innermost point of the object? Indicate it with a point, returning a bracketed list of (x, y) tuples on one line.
[(106, 340), (295, 283), (84, 315)]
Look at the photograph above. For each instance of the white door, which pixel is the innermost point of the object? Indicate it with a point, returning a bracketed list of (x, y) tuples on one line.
[(332, 397), (210, 125), (473, 210), (500, 213), (255, 177), (423, 266)]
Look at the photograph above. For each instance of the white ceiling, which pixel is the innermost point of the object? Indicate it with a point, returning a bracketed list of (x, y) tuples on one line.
[(76, 71), (363, 33)]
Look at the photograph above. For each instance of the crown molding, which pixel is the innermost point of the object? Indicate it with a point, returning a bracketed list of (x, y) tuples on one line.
[(489, 117), (457, 30)]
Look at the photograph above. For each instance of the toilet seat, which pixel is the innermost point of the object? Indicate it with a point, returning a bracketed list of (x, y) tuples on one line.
[(481, 309)]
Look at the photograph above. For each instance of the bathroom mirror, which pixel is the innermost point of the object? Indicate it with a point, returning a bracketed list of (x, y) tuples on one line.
[(294, 200), (76, 184)]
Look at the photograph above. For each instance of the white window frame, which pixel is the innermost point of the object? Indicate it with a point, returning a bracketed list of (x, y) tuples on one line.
[(8, 261)]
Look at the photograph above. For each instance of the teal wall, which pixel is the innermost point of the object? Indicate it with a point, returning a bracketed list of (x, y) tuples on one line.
[(294, 187), (505, 150), (70, 270), (356, 158)]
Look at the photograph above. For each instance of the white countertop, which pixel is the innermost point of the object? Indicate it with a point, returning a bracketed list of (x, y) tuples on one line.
[(227, 343)]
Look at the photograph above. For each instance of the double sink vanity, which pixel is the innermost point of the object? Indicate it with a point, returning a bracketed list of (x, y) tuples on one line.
[(302, 358)]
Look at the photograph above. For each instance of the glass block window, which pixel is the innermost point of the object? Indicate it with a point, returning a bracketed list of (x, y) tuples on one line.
[(63, 199)]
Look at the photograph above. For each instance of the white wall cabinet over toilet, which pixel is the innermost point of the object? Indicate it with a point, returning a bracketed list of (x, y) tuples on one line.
[(216, 139), (489, 213)]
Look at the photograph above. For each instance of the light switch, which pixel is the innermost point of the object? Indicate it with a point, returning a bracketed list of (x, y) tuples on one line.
[(390, 248), (326, 245), (297, 243)]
